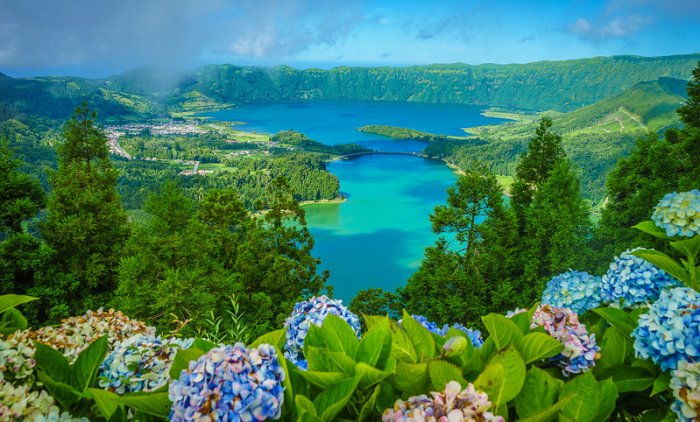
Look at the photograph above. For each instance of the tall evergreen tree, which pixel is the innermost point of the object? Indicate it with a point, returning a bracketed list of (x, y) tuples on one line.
[(544, 151), (690, 111), (86, 224)]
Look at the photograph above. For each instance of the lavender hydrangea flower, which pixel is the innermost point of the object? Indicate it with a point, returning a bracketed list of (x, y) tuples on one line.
[(633, 282), (140, 363), (474, 335), (670, 331), (679, 213), (454, 404), (312, 311), (685, 385), (230, 383), (575, 290), (580, 348)]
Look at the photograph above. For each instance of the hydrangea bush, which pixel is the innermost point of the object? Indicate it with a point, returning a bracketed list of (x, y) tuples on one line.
[(575, 290), (140, 363), (230, 383), (19, 403), (678, 214), (631, 281), (670, 331), (454, 404), (312, 311), (580, 348)]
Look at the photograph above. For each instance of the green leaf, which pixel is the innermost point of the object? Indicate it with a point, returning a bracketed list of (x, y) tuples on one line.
[(375, 346), (618, 319), (204, 345), (583, 406), (320, 359), (330, 402), (503, 378), (182, 360), (522, 320), (106, 401), (536, 346), (308, 417), (64, 394), (614, 350), (649, 227), (412, 378), (549, 413), (10, 301), (303, 404), (156, 404), (324, 380), (503, 331), (276, 338), (607, 398), (539, 393), (86, 366), (442, 372), (369, 375), (661, 383), (368, 408), (630, 378), (689, 247), (420, 336), (664, 262), (401, 345), (52, 362), (339, 335), (11, 321), (372, 321)]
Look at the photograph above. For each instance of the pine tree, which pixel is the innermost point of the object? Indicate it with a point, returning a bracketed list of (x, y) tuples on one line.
[(544, 151), (690, 111), (21, 196), (86, 224)]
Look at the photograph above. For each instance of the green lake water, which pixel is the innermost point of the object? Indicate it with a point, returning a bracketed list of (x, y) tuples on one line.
[(375, 238)]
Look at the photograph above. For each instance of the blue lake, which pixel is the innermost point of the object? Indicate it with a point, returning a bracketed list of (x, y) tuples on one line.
[(377, 236)]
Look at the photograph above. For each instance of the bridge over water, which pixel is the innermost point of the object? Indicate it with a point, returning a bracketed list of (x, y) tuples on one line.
[(357, 154)]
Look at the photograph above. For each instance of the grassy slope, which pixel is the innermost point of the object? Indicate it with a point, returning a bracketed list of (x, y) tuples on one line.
[(594, 136)]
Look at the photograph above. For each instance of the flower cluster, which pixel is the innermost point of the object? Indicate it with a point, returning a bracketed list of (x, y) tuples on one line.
[(670, 331), (140, 363), (312, 311), (576, 290), (454, 404), (685, 385), (75, 334), (19, 403), (474, 335), (230, 383), (580, 348), (17, 361), (679, 213), (632, 281)]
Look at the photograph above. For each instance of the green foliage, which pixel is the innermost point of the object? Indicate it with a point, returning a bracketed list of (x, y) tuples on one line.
[(86, 224), (690, 111), (21, 196), (402, 133), (300, 140)]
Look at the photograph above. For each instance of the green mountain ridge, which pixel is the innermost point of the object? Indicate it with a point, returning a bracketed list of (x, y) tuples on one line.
[(150, 92)]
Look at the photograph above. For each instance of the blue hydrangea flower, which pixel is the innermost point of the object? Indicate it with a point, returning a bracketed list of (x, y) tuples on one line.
[(633, 282), (580, 348), (670, 331), (685, 385), (474, 335), (312, 311), (679, 213), (230, 383), (576, 290), (140, 363)]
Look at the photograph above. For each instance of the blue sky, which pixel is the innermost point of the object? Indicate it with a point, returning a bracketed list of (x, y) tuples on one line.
[(98, 38)]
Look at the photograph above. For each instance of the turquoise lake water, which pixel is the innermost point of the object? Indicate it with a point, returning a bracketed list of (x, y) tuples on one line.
[(377, 236)]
